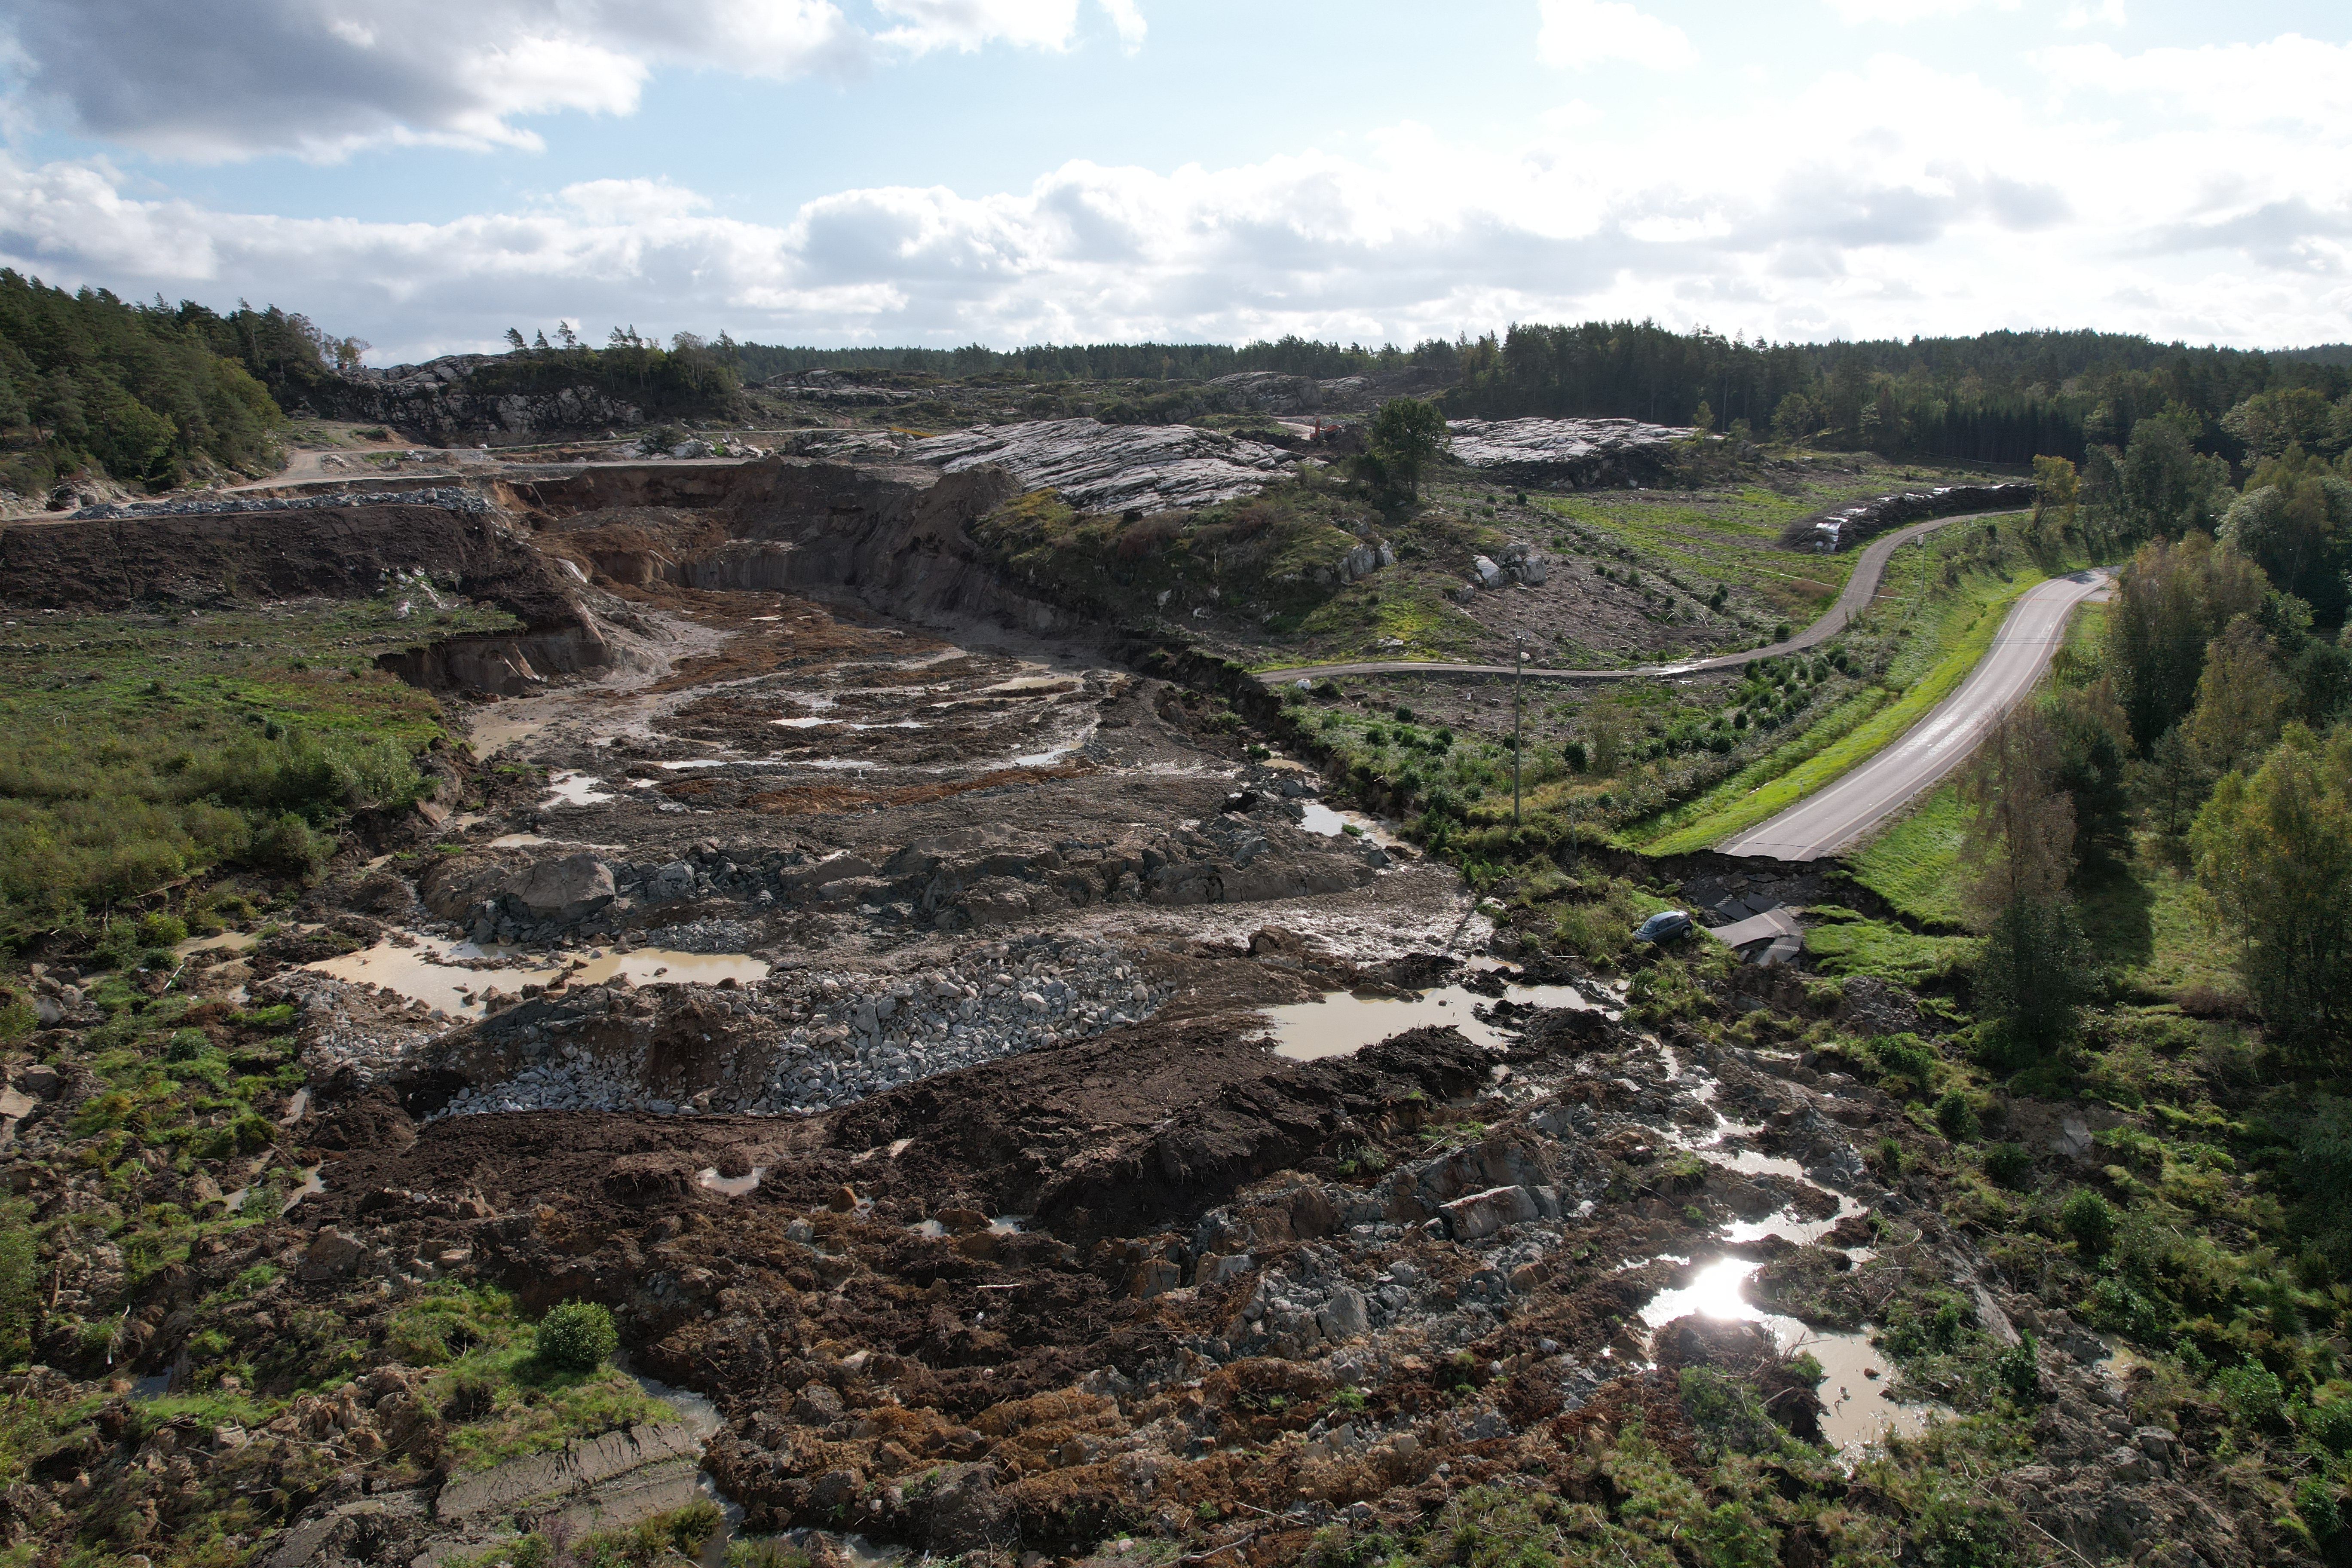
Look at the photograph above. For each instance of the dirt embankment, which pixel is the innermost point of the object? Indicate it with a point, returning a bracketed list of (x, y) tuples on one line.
[(340, 552)]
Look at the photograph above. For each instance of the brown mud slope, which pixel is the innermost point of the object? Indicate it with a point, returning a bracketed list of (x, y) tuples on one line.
[(342, 553)]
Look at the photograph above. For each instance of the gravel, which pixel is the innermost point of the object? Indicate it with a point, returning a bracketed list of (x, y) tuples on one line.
[(835, 1036)]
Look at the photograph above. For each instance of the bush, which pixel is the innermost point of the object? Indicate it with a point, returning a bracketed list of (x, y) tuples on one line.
[(1903, 1061), (1956, 1118), (2009, 1165), (2253, 1391), (2329, 1425), (2020, 1369), (2314, 1500), (578, 1336), (162, 930), (2090, 1219)]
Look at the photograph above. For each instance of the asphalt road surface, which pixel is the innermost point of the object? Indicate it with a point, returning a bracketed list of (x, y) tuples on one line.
[(1935, 746), (1860, 588)]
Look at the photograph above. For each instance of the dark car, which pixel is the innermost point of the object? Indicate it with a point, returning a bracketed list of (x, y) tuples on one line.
[(1665, 926)]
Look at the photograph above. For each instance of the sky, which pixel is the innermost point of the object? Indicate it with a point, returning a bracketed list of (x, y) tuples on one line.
[(425, 174)]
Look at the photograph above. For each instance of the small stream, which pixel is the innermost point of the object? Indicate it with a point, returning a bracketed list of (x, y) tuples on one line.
[(1857, 1381)]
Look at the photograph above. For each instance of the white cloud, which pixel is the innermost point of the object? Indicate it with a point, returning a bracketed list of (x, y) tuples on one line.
[(1935, 203), (968, 24), (2110, 13), (1126, 20), (1584, 32), (1902, 11), (321, 79), (2289, 78)]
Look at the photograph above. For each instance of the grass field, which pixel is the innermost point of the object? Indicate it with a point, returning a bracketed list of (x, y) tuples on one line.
[(136, 749), (1913, 865)]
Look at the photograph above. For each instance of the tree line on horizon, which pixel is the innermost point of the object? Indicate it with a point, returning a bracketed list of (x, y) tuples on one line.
[(157, 395)]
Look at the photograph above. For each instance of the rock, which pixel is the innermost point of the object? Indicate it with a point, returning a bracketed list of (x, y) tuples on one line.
[(1482, 1214), (335, 1255), (1104, 467), (1345, 1316), (662, 1458), (673, 881), (1576, 452), (1489, 574), (571, 889), (818, 1405), (960, 1511), (1846, 526)]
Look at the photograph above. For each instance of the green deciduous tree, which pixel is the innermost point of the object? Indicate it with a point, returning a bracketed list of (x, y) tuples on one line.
[(2167, 486), (2170, 602), (1407, 434), (2035, 970), (2274, 850), (2057, 488), (2242, 698)]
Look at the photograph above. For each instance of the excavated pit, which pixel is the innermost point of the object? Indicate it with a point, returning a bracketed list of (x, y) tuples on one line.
[(850, 904)]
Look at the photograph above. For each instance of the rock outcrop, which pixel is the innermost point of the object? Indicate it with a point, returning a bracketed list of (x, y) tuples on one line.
[(1113, 467), (446, 396), (1581, 454)]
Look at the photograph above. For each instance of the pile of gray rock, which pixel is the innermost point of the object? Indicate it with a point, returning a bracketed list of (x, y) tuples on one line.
[(449, 498), (977, 877), (810, 1039)]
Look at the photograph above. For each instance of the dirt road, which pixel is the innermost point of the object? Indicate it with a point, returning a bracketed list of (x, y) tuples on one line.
[(1938, 743), (1859, 590)]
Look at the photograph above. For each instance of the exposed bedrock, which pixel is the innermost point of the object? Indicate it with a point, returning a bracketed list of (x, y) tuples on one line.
[(1114, 467), (1582, 453)]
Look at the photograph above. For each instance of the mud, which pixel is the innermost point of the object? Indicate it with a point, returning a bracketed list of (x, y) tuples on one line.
[(1002, 1107)]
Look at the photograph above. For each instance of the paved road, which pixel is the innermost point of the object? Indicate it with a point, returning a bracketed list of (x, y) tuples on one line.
[(1935, 746), (1860, 588)]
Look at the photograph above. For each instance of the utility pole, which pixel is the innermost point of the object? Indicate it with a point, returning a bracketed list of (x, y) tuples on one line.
[(1518, 676)]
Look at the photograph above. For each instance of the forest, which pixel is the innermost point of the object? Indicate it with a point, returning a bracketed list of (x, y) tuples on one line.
[(156, 394)]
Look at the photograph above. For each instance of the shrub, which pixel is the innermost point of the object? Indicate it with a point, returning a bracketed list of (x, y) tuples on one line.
[(162, 930), (2090, 1219), (2009, 1165), (2020, 1369), (2314, 1500), (1906, 1059), (2328, 1424), (2253, 1391), (577, 1336), (1955, 1116)]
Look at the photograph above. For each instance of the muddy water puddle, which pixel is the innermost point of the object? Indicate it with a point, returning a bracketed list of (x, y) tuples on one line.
[(569, 788), (1342, 1023), (440, 974), (1858, 1407)]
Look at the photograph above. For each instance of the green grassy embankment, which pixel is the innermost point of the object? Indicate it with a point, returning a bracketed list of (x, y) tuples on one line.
[(1942, 605), (138, 749)]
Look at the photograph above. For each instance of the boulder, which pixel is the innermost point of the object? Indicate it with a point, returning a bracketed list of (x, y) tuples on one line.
[(1489, 574), (335, 1255), (571, 889), (1482, 1214)]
